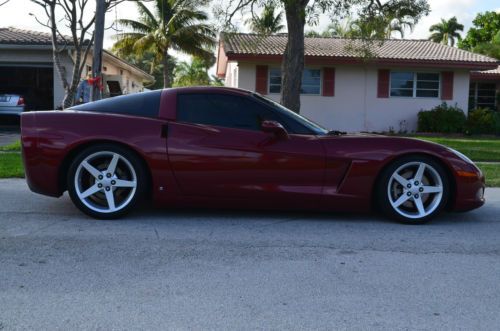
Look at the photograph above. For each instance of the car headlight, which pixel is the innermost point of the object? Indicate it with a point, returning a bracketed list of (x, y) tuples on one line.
[(466, 159)]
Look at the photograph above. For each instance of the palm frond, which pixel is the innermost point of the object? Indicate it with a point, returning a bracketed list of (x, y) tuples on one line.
[(135, 25), (144, 11)]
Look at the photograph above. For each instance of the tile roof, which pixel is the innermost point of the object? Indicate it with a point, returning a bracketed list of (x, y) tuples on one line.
[(390, 49), (14, 36), (495, 72)]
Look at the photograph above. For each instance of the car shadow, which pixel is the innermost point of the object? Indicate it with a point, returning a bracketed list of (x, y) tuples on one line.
[(147, 212)]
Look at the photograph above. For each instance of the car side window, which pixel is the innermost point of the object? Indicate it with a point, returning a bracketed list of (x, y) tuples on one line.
[(223, 110), (270, 113)]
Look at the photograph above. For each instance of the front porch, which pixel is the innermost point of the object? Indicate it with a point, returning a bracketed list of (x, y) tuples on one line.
[(484, 91)]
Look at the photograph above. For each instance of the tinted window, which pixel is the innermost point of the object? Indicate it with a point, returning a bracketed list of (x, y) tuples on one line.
[(292, 121), (219, 110), (146, 104), (240, 113)]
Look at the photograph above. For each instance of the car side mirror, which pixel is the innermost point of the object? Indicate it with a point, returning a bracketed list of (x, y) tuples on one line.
[(275, 128)]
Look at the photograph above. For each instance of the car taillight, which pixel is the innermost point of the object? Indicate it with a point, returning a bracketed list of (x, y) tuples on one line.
[(20, 102)]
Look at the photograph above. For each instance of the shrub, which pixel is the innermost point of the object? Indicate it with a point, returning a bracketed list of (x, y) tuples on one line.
[(483, 121), (496, 118), (442, 119)]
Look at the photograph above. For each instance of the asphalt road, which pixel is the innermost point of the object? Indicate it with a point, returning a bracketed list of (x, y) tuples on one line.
[(220, 270)]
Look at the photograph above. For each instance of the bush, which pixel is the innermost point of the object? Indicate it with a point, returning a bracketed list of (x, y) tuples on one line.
[(442, 119), (496, 118), (483, 121)]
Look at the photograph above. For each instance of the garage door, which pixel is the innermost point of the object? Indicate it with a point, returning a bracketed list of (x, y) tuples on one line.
[(35, 83)]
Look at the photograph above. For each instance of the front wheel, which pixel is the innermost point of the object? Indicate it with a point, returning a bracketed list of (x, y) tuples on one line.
[(105, 181), (413, 189)]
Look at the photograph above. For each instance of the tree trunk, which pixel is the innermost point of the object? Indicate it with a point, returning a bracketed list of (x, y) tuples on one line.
[(69, 97), (166, 74), (293, 59), (62, 74)]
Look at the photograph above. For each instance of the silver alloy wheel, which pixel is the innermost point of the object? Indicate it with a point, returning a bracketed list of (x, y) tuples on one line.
[(415, 190), (105, 182)]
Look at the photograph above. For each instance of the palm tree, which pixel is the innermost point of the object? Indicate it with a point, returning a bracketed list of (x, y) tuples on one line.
[(340, 29), (194, 73), (446, 31), (337, 29), (267, 23), (399, 25), (172, 25), (381, 27)]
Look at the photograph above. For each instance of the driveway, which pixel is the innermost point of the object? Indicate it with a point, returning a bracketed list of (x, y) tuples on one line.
[(232, 270), (8, 135)]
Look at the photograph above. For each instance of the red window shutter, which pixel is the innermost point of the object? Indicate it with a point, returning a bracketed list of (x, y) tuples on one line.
[(261, 79), (447, 85), (328, 82), (384, 76)]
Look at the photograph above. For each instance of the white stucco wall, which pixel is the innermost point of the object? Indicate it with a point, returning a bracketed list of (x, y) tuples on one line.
[(18, 55), (355, 106), (130, 82)]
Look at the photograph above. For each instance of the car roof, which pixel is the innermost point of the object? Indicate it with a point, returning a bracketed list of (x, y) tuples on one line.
[(211, 89)]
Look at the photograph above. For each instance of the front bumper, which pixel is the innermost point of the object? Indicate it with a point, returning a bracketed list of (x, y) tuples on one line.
[(470, 187)]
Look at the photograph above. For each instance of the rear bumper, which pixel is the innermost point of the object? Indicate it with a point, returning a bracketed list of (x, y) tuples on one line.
[(40, 175)]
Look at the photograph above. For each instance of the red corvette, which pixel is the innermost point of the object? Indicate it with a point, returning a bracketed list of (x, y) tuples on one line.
[(222, 147)]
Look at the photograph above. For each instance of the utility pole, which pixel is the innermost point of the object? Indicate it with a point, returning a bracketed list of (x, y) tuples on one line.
[(100, 13)]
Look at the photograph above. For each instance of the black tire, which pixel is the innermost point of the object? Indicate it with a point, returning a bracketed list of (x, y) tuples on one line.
[(409, 213), (128, 165)]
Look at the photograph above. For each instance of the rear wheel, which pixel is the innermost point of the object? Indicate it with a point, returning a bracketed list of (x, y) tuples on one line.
[(105, 181), (413, 189)]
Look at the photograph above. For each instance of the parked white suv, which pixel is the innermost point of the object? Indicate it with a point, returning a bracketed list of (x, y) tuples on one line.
[(11, 104)]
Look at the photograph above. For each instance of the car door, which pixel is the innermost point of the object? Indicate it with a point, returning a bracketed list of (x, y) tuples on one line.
[(217, 149)]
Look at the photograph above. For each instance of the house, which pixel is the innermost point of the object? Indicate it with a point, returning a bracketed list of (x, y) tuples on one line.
[(27, 67), (342, 90), (484, 89)]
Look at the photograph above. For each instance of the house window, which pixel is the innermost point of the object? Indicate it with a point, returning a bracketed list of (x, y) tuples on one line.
[(275, 80), (415, 84), (482, 95), (311, 81)]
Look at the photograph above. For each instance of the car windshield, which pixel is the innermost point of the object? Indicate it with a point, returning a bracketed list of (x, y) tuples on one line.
[(316, 128)]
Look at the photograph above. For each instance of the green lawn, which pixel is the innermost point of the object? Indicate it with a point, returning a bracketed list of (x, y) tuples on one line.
[(491, 172), (14, 147), (477, 149), (11, 165)]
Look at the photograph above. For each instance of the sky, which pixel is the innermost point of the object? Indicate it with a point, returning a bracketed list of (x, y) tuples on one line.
[(16, 13)]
